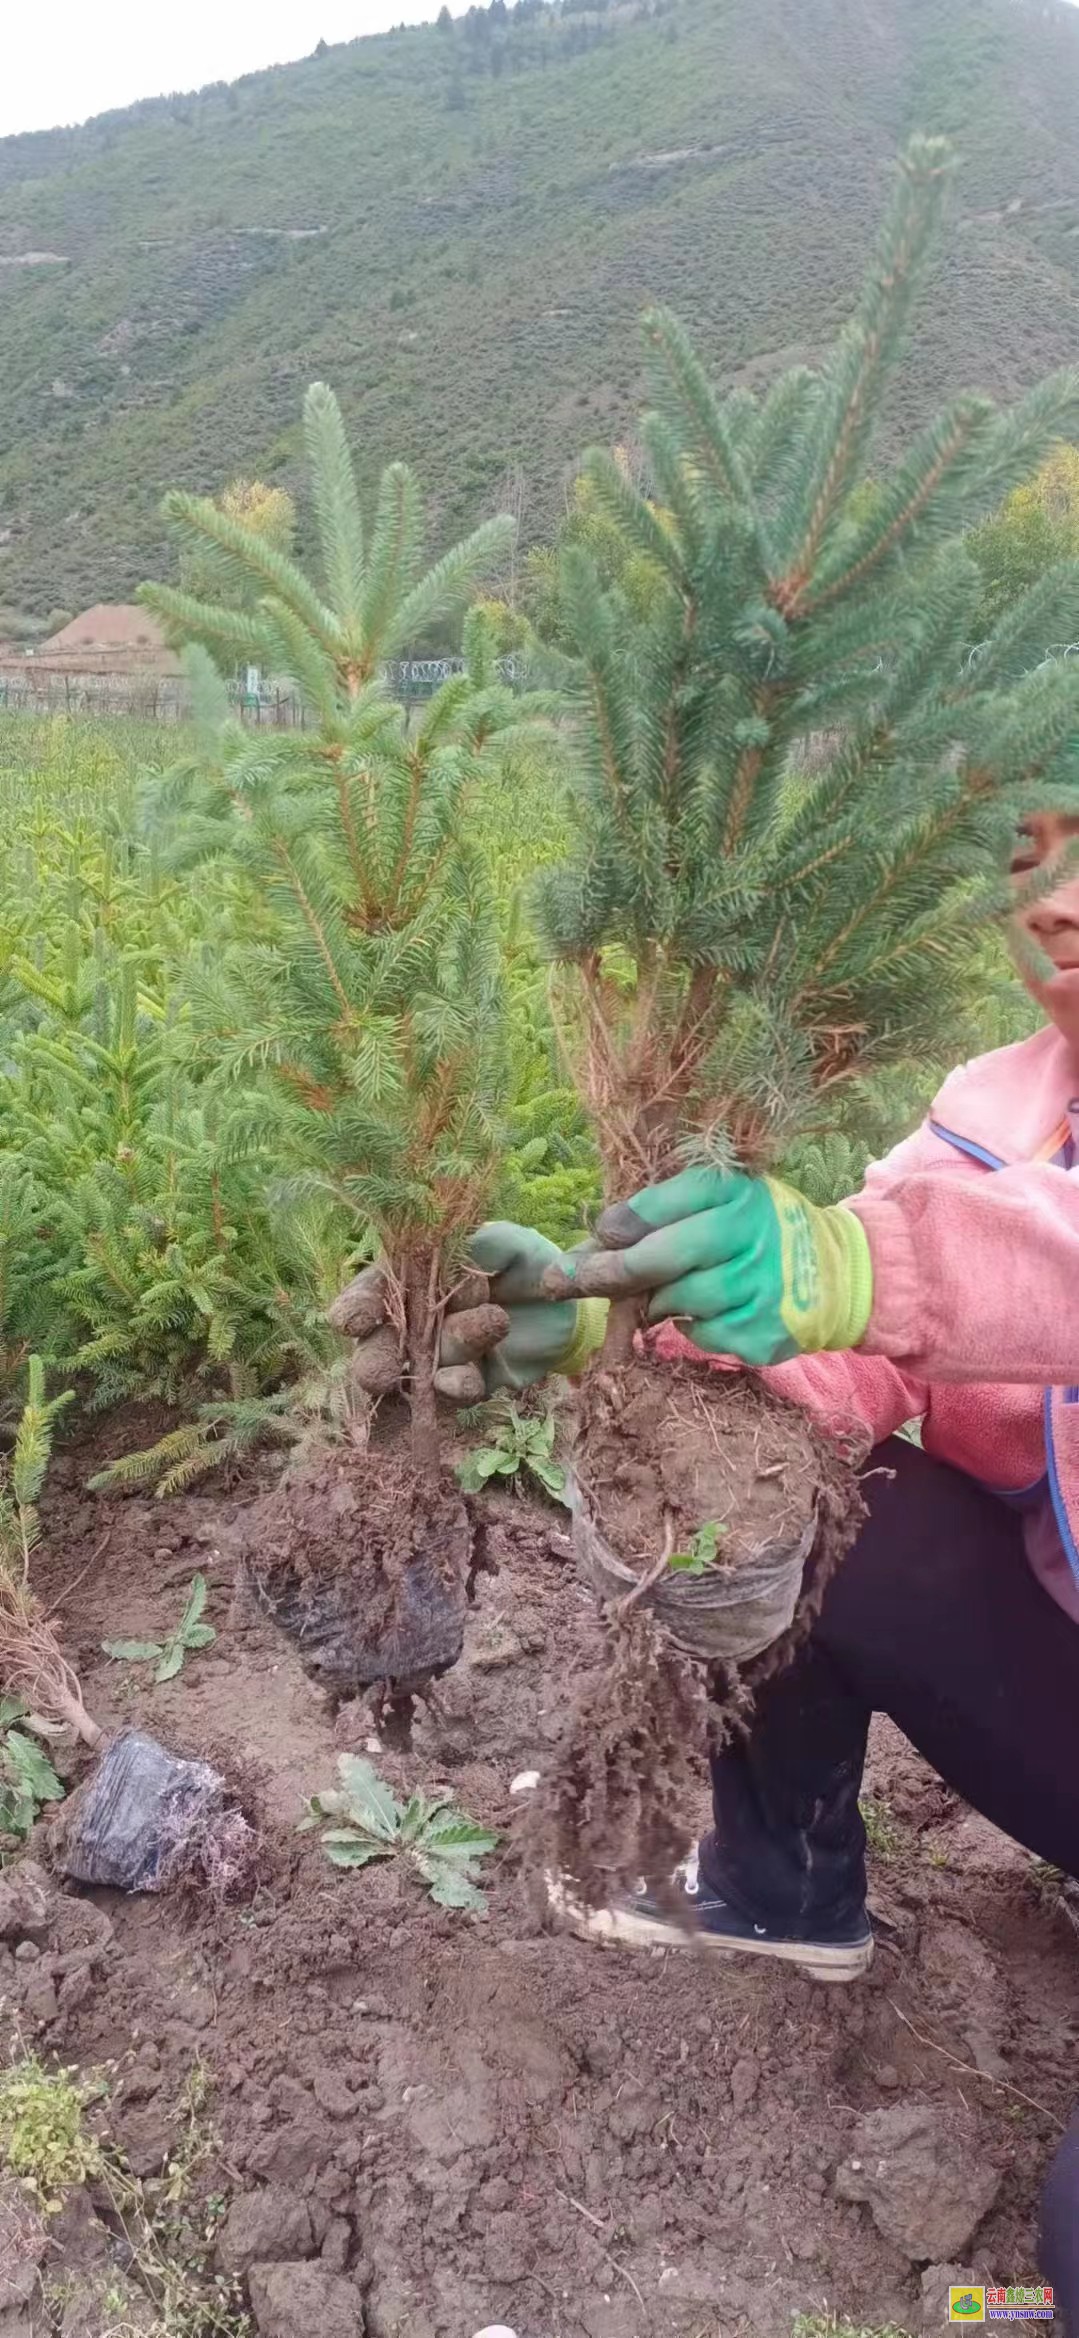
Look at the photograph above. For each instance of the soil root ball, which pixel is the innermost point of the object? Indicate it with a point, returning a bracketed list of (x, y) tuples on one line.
[(662, 1454), (147, 1819), (365, 1566)]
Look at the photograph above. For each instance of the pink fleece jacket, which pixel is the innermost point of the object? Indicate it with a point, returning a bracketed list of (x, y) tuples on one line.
[(974, 1237)]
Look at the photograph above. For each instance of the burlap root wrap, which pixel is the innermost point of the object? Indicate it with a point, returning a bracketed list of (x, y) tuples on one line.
[(725, 1616)]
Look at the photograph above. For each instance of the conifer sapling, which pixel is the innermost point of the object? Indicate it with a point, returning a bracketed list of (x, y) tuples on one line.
[(372, 1007), (798, 791)]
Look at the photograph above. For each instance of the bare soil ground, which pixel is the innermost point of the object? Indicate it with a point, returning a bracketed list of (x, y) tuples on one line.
[(485, 2122)]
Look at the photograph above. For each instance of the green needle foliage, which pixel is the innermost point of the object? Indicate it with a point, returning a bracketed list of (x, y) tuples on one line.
[(373, 1011), (797, 789), (168, 1657), (442, 1842)]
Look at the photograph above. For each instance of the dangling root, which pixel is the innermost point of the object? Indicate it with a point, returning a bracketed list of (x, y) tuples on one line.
[(618, 1805), (33, 1664)]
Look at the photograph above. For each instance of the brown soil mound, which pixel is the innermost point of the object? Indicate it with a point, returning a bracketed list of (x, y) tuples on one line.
[(364, 1566), (468, 2122)]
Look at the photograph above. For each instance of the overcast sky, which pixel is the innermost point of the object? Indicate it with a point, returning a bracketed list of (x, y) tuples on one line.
[(62, 60)]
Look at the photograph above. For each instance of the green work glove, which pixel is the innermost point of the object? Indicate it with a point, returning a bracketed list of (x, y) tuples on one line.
[(758, 1272), (545, 1335)]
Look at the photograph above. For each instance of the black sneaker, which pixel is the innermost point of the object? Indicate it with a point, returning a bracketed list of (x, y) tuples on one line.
[(637, 1920)]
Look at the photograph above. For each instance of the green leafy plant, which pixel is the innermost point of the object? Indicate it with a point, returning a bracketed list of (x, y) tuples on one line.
[(27, 1777), (882, 1833), (168, 1657), (703, 1550), (365, 1822), (520, 1445), (45, 2141)]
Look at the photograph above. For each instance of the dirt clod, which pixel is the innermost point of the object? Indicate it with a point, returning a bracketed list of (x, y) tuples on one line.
[(260, 2222), (293, 2301), (27, 1902), (922, 2176)]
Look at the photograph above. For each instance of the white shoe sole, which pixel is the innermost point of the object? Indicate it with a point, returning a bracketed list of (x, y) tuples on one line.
[(623, 1927)]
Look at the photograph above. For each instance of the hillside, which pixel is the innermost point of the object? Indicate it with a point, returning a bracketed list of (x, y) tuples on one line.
[(457, 228)]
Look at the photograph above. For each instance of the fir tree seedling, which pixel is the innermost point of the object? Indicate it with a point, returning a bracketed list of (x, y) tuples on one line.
[(367, 1822), (797, 789), (798, 794), (375, 1014), (168, 1657), (367, 1022)]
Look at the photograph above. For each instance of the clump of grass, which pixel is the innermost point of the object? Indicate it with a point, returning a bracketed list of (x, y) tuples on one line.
[(882, 1832)]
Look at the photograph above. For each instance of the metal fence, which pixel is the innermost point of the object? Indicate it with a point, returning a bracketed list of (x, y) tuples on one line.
[(166, 698)]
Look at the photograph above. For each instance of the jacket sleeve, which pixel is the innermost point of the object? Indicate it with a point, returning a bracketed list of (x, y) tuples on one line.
[(974, 1278)]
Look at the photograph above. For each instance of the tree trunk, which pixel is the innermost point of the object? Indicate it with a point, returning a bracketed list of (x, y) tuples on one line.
[(421, 1329), (623, 1323)]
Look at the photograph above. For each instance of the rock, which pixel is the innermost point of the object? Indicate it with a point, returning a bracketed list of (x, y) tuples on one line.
[(937, 2280), (40, 2002), (27, 1902), (333, 2095), (336, 2244), (291, 2153), (923, 2177), (497, 2330), (525, 1782), (260, 2222), (76, 2233), (27, 1952), (745, 2079), (145, 2138), (297, 2301)]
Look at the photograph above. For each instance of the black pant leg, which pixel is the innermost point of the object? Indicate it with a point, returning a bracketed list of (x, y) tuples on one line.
[(935, 1619), (1058, 2259)]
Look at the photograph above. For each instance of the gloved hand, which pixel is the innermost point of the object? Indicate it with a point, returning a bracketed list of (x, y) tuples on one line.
[(758, 1272), (506, 1334)]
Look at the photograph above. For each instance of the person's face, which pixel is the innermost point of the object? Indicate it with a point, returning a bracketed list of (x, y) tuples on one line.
[(1053, 922)]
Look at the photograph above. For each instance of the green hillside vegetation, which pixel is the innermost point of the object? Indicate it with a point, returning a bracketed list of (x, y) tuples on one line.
[(457, 227)]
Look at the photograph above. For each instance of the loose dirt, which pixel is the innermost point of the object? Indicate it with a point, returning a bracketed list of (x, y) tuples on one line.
[(476, 2121)]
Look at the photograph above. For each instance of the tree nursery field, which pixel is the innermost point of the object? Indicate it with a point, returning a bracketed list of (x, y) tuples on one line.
[(307, 1694)]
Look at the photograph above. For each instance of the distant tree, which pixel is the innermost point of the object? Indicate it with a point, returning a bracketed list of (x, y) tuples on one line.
[(320, 49), (269, 513), (444, 20), (1036, 527)]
